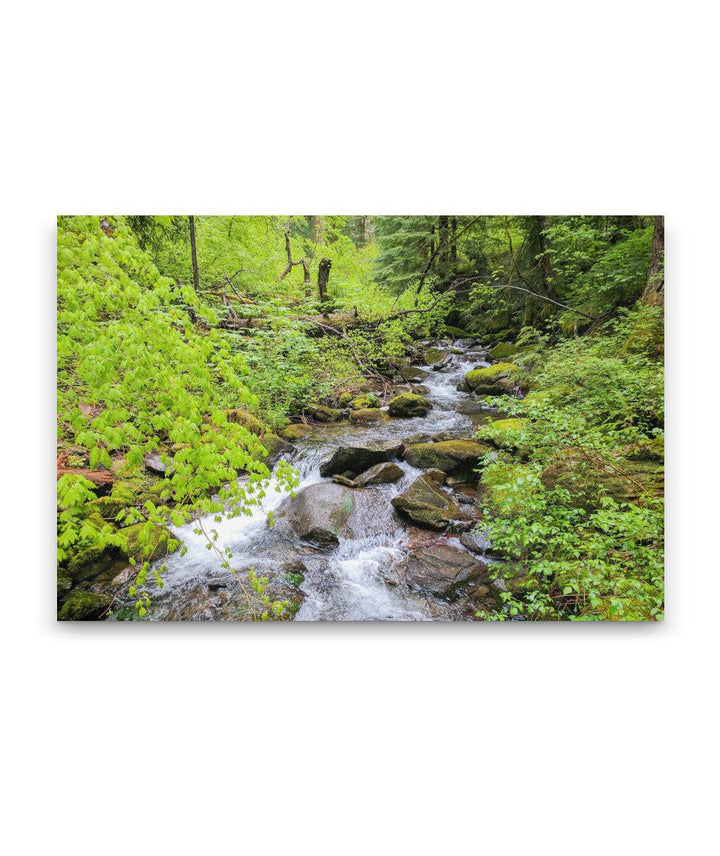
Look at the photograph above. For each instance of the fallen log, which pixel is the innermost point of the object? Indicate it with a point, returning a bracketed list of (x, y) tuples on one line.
[(102, 479)]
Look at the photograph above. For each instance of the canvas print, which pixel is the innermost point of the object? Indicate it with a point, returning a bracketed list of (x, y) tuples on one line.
[(360, 418)]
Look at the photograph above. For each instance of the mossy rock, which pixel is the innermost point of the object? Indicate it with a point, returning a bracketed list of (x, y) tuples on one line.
[(247, 420), (363, 402), (493, 380), (503, 351), (107, 507), (410, 374), (434, 355), (345, 399), (144, 542), (293, 432), (504, 433), (84, 606), (275, 447), (426, 504), (323, 413), (385, 473), (368, 416), (409, 404), (453, 457), (64, 584)]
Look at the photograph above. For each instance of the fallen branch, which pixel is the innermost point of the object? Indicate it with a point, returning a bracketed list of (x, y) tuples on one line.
[(341, 334), (100, 478)]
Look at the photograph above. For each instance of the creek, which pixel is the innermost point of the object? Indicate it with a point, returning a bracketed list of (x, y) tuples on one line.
[(355, 579)]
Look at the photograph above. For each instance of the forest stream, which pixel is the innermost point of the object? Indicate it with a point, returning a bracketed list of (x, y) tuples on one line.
[(357, 579)]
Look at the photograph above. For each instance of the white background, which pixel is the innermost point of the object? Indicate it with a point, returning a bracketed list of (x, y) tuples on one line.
[(358, 739)]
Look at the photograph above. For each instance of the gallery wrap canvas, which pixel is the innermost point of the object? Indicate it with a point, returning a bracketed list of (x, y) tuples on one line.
[(360, 418)]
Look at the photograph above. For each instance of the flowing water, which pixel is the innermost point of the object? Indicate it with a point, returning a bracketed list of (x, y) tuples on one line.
[(353, 581)]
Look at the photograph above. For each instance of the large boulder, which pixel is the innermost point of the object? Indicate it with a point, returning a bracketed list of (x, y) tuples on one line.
[(442, 568), (409, 404), (356, 459), (325, 512), (497, 379), (426, 504), (454, 457), (387, 473)]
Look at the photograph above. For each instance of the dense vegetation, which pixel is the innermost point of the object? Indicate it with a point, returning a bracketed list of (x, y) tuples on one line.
[(189, 348)]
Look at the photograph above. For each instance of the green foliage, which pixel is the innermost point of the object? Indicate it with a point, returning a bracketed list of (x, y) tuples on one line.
[(136, 374), (588, 554), (598, 266)]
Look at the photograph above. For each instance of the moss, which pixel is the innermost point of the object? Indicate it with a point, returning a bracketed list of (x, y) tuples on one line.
[(107, 508), (455, 457), (363, 402), (294, 432), (144, 541), (410, 374), (84, 606), (495, 379), (434, 355), (409, 404), (426, 504), (247, 420), (275, 446), (64, 584), (323, 413), (503, 351), (368, 416), (345, 399)]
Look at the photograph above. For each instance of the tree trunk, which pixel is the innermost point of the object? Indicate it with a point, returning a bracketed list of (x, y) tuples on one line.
[(318, 229), (368, 229), (545, 260), (193, 253), (442, 259), (323, 277), (655, 288)]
